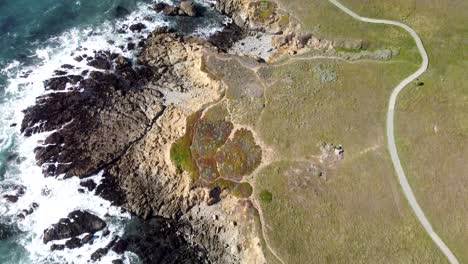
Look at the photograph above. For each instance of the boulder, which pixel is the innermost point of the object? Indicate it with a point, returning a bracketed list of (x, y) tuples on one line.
[(159, 7), (169, 10), (73, 243), (163, 30), (131, 46), (87, 238), (60, 72), (185, 8), (98, 254), (226, 38), (137, 27), (68, 66), (89, 184), (77, 223), (100, 63), (214, 196), (120, 246), (188, 8), (58, 247), (60, 83), (11, 198), (121, 62)]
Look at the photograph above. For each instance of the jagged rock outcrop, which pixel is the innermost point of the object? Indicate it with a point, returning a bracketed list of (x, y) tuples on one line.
[(266, 17), (90, 118), (142, 237), (77, 223), (122, 120), (185, 8)]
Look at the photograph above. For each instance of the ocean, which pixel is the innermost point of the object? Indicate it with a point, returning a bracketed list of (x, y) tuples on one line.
[(37, 37)]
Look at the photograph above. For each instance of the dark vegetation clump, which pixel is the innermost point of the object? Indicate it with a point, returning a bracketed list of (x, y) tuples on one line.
[(211, 158), (266, 196)]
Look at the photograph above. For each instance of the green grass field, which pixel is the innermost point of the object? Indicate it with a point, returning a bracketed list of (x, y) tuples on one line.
[(353, 210), (358, 213), (432, 135), (432, 120)]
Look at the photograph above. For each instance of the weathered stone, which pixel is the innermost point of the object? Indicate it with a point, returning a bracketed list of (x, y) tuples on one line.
[(57, 247), (214, 196), (89, 184), (120, 246), (137, 27), (87, 238), (188, 8), (98, 254), (11, 198), (73, 243), (77, 223)]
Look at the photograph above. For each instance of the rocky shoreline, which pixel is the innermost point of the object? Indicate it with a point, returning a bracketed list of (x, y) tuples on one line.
[(121, 119)]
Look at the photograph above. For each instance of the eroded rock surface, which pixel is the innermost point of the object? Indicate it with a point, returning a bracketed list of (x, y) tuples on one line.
[(90, 118), (76, 223), (122, 119), (157, 241), (185, 8)]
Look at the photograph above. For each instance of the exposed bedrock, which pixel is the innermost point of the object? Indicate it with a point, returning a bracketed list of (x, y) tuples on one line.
[(286, 35), (96, 121), (77, 223), (143, 237), (122, 119), (185, 8)]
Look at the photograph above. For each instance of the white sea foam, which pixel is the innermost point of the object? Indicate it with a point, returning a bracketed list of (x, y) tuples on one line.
[(56, 198)]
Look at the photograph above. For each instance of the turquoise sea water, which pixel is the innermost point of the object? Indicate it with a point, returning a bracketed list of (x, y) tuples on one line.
[(36, 37), (26, 25)]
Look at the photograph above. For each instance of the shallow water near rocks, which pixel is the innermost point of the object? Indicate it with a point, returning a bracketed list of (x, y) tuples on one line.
[(37, 37)]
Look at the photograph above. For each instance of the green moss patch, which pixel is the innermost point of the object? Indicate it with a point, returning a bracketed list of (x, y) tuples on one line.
[(181, 155), (264, 9), (180, 152)]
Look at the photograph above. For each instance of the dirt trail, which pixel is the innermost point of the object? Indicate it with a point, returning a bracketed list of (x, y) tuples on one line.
[(391, 131)]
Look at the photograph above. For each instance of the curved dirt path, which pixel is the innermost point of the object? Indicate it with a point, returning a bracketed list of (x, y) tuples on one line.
[(265, 237), (391, 133)]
